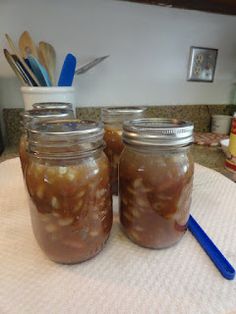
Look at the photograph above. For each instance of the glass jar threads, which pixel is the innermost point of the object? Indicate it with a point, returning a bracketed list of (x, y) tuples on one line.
[(55, 105), (113, 119), (67, 178), (34, 115), (155, 181)]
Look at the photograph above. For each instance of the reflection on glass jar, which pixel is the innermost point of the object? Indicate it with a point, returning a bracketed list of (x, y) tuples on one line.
[(31, 116), (155, 181), (113, 119), (67, 178)]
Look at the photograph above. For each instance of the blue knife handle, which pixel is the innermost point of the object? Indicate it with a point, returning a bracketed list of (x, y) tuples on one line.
[(213, 252)]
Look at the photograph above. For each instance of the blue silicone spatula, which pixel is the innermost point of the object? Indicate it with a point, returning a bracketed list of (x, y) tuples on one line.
[(67, 71), (225, 268)]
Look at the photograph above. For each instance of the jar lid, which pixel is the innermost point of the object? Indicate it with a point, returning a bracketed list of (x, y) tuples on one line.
[(158, 132), (53, 105), (120, 114), (65, 137)]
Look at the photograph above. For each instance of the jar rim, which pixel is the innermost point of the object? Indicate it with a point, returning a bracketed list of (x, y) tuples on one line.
[(45, 113), (65, 138), (67, 127), (120, 114), (53, 105), (158, 132)]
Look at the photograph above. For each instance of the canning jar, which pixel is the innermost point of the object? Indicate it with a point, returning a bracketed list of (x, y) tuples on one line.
[(67, 179), (113, 119), (155, 181), (29, 117)]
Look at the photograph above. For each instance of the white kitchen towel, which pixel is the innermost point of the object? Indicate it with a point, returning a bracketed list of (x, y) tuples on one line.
[(123, 278)]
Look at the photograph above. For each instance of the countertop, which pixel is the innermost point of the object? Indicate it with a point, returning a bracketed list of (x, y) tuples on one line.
[(213, 158), (210, 157)]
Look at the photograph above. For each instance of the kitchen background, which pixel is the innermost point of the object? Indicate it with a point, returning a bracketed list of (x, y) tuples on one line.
[(148, 47)]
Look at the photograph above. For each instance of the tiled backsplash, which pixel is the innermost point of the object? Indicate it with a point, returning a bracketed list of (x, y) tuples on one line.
[(200, 115)]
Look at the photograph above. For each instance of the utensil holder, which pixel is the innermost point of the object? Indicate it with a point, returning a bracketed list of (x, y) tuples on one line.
[(32, 95)]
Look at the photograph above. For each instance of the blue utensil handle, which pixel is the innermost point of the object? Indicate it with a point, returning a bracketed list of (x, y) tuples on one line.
[(67, 71), (213, 252), (39, 71)]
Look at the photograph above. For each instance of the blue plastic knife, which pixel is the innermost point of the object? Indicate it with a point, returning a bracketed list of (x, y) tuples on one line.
[(210, 248), (67, 71)]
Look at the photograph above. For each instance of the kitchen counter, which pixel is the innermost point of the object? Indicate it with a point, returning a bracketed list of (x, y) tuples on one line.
[(210, 157), (213, 158)]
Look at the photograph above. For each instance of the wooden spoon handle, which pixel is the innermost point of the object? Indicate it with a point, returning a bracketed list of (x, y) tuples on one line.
[(47, 57), (27, 46)]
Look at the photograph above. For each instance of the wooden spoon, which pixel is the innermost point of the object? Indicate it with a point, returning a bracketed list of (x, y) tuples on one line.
[(27, 46), (47, 57)]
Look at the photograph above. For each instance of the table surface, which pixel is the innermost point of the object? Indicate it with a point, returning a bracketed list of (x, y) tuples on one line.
[(123, 278)]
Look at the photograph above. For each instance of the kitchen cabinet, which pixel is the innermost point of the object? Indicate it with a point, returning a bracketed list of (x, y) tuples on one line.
[(215, 6)]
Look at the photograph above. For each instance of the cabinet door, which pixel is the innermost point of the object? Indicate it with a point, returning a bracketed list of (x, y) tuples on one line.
[(215, 6)]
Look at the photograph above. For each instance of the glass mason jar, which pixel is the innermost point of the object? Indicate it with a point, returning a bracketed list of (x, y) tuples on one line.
[(68, 182), (113, 119), (155, 181), (30, 116)]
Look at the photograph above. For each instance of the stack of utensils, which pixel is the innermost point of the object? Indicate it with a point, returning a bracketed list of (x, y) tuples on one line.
[(35, 65)]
